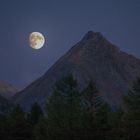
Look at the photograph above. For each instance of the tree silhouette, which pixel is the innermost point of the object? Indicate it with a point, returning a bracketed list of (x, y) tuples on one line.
[(131, 119), (35, 114)]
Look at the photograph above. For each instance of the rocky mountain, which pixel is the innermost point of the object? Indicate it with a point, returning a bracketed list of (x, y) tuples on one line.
[(93, 58), (7, 90)]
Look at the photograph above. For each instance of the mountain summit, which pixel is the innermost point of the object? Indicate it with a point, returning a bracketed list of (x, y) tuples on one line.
[(93, 58)]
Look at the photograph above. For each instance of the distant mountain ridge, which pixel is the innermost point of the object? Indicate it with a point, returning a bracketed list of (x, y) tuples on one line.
[(93, 58), (7, 90)]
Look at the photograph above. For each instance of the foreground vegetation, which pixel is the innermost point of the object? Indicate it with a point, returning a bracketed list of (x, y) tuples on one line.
[(75, 115)]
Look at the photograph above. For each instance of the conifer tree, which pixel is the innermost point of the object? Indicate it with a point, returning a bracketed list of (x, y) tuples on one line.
[(35, 114), (16, 127), (131, 119), (63, 109)]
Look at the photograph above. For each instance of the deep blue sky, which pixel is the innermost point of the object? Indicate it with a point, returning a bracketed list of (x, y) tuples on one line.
[(63, 22)]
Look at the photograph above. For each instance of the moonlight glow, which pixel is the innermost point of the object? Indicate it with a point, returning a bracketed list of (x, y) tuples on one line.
[(36, 40)]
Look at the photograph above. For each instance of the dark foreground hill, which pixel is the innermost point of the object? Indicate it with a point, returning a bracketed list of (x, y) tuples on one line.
[(93, 58)]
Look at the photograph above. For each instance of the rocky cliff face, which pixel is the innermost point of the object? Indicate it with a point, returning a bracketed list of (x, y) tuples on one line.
[(7, 90), (93, 58)]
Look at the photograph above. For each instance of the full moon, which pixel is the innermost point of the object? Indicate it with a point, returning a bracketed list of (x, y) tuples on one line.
[(36, 40)]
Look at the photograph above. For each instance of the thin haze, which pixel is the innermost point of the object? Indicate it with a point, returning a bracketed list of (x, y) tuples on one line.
[(63, 22)]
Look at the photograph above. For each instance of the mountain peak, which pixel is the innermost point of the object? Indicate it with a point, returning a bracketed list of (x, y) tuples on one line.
[(90, 35)]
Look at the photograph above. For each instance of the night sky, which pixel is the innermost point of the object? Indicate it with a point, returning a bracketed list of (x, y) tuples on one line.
[(64, 23)]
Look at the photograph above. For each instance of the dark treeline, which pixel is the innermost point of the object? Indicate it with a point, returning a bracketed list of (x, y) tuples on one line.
[(75, 115)]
